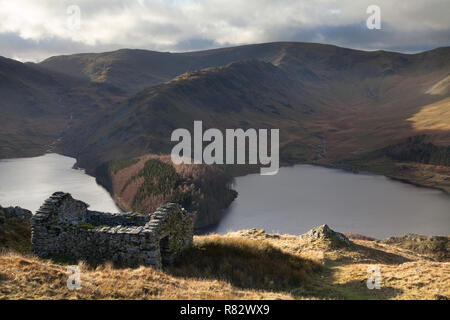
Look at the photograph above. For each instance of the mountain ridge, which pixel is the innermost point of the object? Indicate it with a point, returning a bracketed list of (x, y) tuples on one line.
[(333, 106), (154, 68), (379, 83)]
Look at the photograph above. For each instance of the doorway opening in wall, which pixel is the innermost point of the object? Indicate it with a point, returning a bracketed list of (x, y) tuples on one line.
[(165, 250)]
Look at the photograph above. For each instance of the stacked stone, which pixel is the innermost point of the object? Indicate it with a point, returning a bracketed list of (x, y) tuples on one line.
[(97, 218), (63, 226), (44, 227), (118, 244), (169, 220)]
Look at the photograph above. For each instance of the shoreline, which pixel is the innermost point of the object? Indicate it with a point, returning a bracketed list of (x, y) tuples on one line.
[(403, 180), (325, 165), (207, 229)]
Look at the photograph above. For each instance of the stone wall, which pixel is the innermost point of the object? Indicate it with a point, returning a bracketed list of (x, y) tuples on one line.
[(65, 227)]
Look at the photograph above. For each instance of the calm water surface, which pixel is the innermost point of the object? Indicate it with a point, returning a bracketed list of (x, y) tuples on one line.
[(293, 201), (27, 182), (304, 196)]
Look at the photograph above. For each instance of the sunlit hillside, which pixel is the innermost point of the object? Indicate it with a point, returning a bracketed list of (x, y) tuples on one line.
[(243, 265)]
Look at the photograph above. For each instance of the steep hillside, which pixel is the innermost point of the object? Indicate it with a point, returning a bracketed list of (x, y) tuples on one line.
[(130, 70), (343, 101), (37, 105), (243, 94)]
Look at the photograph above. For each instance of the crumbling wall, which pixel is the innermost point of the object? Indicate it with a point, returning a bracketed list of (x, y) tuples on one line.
[(64, 227), (172, 230), (97, 218)]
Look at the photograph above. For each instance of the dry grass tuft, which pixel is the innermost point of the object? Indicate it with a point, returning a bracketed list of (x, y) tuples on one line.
[(245, 263), (249, 264), (15, 235)]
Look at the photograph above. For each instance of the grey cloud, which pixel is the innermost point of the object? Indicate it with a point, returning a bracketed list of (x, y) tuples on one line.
[(14, 46), (358, 36), (408, 26), (195, 44)]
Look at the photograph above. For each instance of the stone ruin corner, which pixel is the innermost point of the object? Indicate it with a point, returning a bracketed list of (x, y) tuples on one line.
[(65, 227)]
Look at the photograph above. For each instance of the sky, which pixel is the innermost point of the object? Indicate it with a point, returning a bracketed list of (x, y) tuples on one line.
[(32, 30)]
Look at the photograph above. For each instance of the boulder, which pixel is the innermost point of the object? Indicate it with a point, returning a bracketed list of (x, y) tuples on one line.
[(326, 233)]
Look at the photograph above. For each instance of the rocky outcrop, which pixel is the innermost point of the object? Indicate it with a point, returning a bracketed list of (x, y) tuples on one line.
[(14, 213), (436, 247), (325, 233), (65, 227), (15, 230)]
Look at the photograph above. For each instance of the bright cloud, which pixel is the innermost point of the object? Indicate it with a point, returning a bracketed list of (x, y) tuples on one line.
[(33, 30)]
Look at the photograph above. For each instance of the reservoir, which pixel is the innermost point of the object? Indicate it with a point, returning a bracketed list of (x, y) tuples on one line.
[(304, 196), (293, 201), (27, 182)]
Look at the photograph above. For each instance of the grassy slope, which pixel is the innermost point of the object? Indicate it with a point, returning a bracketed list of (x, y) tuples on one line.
[(243, 265), (15, 235), (435, 116)]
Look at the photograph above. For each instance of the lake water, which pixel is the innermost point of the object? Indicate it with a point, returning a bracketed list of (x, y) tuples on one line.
[(293, 201), (301, 197), (27, 182)]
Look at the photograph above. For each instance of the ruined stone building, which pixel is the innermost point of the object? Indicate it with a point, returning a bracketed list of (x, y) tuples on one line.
[(65, 227)]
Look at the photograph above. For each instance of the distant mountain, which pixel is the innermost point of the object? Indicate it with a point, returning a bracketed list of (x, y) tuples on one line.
[(334, 106), (330, 103), (134, 70), (131, 70), (38, 104), (322, 97), (242, 94)]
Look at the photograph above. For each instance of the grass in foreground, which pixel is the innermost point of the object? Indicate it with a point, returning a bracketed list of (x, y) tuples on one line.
[(15, 235), (244, 265)]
